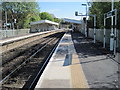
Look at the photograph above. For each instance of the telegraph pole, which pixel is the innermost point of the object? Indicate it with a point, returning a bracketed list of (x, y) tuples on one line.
[(6, 21)]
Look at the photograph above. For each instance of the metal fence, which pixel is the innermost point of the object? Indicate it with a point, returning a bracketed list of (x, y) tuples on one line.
[(12, 33), (100, 35)]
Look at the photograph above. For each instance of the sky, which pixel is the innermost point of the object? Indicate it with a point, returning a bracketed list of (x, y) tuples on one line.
[(63, 9)]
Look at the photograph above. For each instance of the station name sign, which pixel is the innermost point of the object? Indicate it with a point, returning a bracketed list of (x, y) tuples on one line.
[(109, 14)]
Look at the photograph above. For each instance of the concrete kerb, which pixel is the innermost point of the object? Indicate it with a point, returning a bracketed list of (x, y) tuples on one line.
[(43, 77), (12, 43), (4, 42), (78, 77), (75, 76)]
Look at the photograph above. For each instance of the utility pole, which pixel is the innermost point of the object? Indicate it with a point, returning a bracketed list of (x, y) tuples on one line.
[(6, 21), (86, 20)]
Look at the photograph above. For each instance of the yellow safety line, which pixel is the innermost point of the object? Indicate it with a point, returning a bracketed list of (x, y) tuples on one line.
[(77, 74)]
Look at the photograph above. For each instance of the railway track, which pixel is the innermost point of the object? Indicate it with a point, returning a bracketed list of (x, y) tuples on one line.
[(26, 73)]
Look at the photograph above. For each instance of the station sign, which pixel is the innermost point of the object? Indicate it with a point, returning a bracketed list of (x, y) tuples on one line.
[(8, 24), (76, 13), (109, 14)]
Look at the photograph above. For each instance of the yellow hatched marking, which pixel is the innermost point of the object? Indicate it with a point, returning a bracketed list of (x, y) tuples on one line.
[(77, 74)]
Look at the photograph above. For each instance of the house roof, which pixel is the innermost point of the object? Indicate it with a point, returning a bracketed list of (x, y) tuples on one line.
[(44, 21), (72, 21)]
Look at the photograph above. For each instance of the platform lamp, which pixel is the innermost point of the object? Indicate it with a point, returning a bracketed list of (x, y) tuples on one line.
[(86, 21), (6, 19)]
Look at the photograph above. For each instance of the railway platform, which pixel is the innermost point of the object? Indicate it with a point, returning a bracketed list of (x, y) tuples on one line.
[(62, 71), (79, 63), (14, 42)]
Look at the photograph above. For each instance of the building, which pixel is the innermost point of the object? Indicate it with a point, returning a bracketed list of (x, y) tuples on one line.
[(43, 25), (76, 25)]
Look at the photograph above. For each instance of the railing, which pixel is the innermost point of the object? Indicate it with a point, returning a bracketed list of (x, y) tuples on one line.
[(12, 33)]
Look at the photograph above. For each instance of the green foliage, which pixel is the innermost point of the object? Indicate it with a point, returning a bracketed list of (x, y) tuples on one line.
[(22, 12), (117, 5), (46, 16), (99, 9), (57, 20)]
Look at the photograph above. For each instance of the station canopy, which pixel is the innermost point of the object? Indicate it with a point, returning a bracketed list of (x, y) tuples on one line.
[(73, 21), (44, 21)]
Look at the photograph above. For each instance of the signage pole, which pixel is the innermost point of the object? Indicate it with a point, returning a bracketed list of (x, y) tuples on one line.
[(112, 34), (104, 32), (94, 28), (115, 39), (86, 21)]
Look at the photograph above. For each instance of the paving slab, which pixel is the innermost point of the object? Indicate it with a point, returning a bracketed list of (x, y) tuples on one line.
[(79, 63), (100, 70), (61, 71)]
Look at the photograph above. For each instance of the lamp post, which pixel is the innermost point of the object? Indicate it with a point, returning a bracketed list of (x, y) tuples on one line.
[(86, 20), (6, 21), (76, 14), (86, 8), (112, 34), (81, 16), (6, 9)]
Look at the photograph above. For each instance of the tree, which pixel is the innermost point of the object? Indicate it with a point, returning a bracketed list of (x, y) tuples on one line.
[(57, 20), (99, 9), (21, 11), (117, 5), (46, 16)]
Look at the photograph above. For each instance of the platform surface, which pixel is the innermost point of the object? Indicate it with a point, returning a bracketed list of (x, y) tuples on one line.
[(79, 63), (62, 71), (100, 70), (13, 39)]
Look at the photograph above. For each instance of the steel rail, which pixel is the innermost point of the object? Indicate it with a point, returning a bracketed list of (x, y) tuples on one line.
[(26, 61), (43, 40), (43, 66)]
